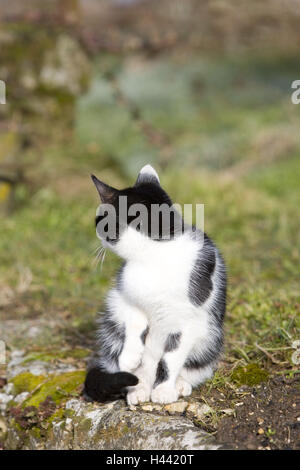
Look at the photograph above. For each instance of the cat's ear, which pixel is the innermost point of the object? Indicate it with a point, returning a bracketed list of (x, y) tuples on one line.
[(147, 175), (106, 192)]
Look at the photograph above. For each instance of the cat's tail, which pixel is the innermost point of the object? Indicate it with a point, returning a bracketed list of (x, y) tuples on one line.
[(103, 386)]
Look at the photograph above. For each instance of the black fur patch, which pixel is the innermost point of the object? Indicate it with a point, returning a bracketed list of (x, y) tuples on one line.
[(162, 373), (219, 304), (200, 282), (102, 386), (172, 342), (144, 335), (210, 355), (196, 363)]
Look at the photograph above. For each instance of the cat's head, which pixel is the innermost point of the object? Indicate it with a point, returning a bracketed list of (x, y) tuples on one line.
[(129, 217)]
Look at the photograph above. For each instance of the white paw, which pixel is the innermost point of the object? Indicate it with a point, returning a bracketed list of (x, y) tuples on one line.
[(164, 393), (183, 388), (138, 394), (129, 362)]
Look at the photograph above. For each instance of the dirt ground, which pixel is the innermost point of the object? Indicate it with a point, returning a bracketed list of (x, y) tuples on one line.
[(266, 416)]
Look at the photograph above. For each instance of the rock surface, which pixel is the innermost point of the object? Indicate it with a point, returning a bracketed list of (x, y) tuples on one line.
[(42, 408)]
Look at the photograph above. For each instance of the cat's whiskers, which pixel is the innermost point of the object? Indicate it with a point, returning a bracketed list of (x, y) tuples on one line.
[(96, 249), (99, 250), (102, 258), (99, 258)]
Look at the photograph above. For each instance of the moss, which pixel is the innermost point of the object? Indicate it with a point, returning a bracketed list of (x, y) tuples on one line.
[(11, 403), (250, 375), (27, 382), (115, 432), (57, 387), (15, 425), (85, 425), (69, 413), (49, 356), (36, 432), (38, 356), (59, 415)]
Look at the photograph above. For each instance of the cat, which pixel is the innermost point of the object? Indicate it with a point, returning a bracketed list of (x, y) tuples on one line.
[(162, 330)]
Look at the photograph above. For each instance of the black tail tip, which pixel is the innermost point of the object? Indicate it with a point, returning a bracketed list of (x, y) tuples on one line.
[(128, 379), (102, 386)]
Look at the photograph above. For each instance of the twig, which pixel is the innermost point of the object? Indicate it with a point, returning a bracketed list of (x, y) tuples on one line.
[(270, 356)]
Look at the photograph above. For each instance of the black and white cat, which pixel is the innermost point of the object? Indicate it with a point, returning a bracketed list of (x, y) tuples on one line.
[(162, 331)]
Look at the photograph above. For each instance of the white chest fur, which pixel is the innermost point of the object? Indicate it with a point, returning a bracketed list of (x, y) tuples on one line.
[(159, 275)]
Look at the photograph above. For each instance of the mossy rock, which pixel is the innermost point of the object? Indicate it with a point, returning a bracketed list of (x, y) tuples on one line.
[(27, 382), (250, 375), (53, 355), (58, 387)]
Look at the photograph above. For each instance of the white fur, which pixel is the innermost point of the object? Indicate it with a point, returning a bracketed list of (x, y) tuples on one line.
[(149, 170)]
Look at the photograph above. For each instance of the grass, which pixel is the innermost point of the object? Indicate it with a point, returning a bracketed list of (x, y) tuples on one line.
[(217, 115)]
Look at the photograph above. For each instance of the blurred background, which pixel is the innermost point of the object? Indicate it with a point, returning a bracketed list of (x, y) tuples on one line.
[(202, 91)]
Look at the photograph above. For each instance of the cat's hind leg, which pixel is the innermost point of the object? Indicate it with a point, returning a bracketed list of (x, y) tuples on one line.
[(183, 388), (189, 378)]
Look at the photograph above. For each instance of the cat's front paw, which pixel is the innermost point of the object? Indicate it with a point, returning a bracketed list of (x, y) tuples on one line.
[(138, 394), (164, 393)]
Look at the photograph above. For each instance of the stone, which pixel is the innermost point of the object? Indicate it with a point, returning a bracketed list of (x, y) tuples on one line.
[(4, 400), (199, 410), (151, 407), (57, 417), (177, 407)]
